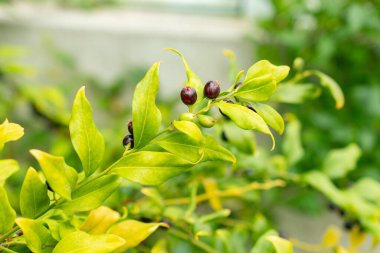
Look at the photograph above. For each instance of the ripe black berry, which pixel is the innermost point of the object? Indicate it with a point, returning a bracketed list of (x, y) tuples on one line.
[(251, 108), (211, 89), (238, 85), (130, 127), (348, 225), (188, 95), (332, 206), (128, 140)]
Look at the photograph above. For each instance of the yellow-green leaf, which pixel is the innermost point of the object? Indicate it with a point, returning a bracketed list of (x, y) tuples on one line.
[(292, 145), (37, 236), (100, 220), (295, 93), (34, 197), (87, 141), (149, 167), (81, 242), (245, 118), (61, 177), (216, 152), (333, 87), (280, 244), (9, 132), (189, 128), (7, 214), (264, 67), (270, 116), (145, 114), (133, 232), (7, 168)]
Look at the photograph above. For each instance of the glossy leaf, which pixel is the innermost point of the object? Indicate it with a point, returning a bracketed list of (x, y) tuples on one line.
[(257, 89), (7, 168), (60, 229), (280, 244), (149, 167), (7, 214), (100, 220), (34, 199), (37, 236), (93, 194), (341, 161), (189, 128), (264, 67), (334, 89), (270, 116), (87, 141), (292, 145), (245, 118), (61, 177), (145, 114), (133, 232), (182, 145), (192, 79), (296, 93), (9, 132), (81, 242), (216, 152)]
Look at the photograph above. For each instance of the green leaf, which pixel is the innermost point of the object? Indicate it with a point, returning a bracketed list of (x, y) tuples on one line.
[(145, 114), (245, 118), (296, 93), (264, 67), (270, 116), (81, 242), (182, 145), (150, 168), (257, 89), (341, 161), (216, 152), (9, 132), (93, 194), (87, 141), (189, 128), (34, 197), (100, 220), (133, 232), (61, 177), (368, 189), (263, 245), (292, 145), (281, 245), (37, 237), (7, 168), (192, 79), (7, 214), (334, 88)]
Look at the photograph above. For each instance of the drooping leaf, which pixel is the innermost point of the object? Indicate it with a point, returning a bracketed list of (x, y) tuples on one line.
[(270, 116), (296, 93), (7, 214), (9, 132), (192, 79), (292, 145), (93, 194), (189, 128), (133, 232), (245, 118), (81, 242), (341, 161), (216, 152), (280, 244), (34, 197), (61, 177), (100, 220), (87, 141), (334, 88), (37, 236), (182, 145), (149, 167), (145, 114), (7, 168)]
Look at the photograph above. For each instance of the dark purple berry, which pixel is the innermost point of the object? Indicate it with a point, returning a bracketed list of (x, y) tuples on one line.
[(128, 140), (211, 89), (238, 85), (251, 108), (20, 233), (341, 212), (332, 206), (348, 225), (130, 127), (188, 95)]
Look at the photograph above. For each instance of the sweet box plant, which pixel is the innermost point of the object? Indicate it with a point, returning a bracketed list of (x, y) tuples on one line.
[(62, 209)]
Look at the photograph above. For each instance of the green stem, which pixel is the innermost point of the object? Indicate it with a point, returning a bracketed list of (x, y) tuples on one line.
[(7, 250), (197, 243), (6, 235)]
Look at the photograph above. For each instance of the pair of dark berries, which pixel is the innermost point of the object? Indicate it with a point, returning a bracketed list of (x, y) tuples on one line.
[(211, 90), (128, 139)]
